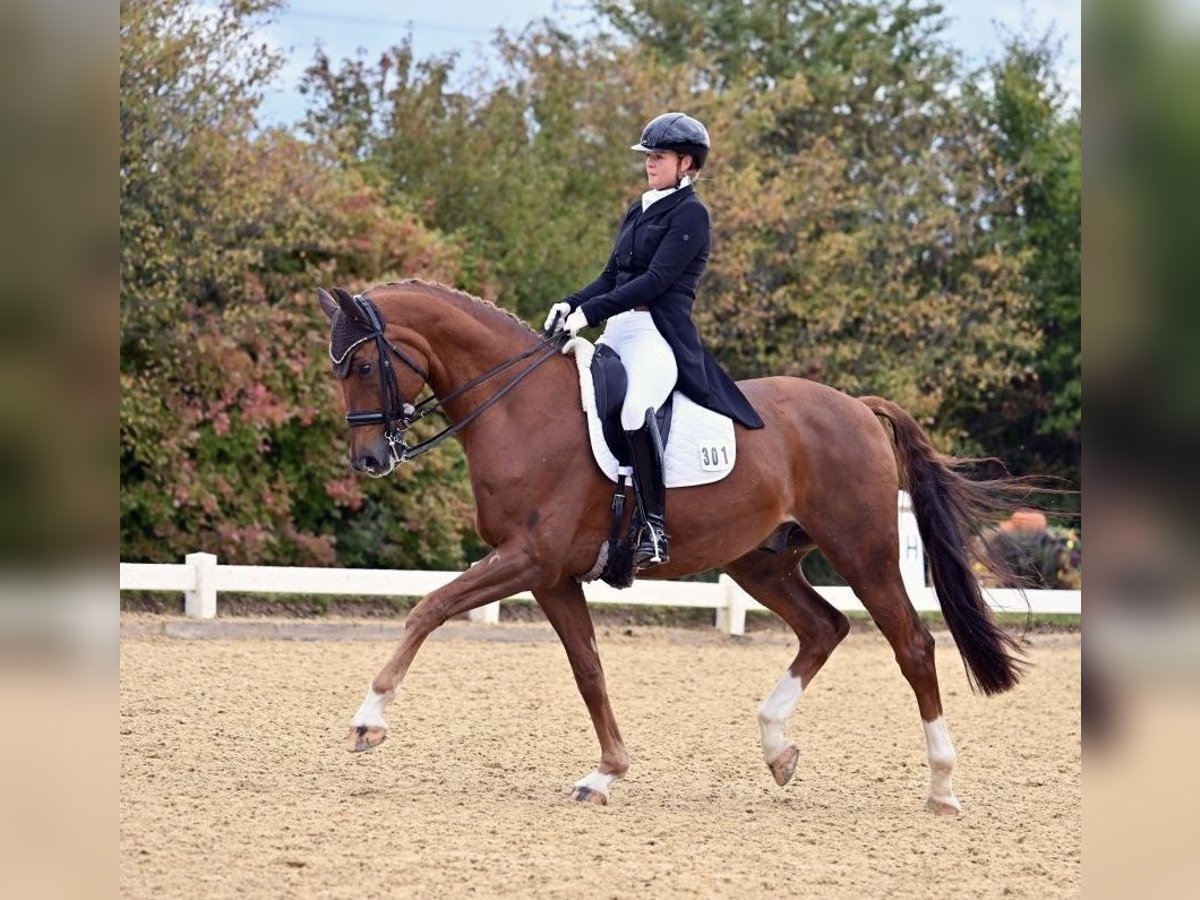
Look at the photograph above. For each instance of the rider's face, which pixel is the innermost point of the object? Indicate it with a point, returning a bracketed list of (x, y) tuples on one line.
[(663, 168)]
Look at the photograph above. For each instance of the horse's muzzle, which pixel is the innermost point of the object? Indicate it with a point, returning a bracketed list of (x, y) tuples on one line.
[(368, 464), (379, 455), (364, 463)]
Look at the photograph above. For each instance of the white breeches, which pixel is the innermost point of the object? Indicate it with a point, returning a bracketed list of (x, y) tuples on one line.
[(648, 359)]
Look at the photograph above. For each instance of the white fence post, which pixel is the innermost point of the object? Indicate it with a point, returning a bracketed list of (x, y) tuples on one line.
[(731, 614), (199, 578), (912, 551), (201, 601), (488, 614)]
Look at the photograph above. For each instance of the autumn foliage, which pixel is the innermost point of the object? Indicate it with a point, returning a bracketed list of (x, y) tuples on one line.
[(875, 230)]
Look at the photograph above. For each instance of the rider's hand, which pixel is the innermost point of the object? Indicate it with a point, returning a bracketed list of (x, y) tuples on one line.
[(558, 312), (575, 321)]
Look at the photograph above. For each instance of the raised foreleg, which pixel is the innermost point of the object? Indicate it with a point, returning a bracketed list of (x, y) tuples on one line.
[(504, 572)]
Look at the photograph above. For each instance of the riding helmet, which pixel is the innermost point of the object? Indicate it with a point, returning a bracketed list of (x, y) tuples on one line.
[(678, 132)]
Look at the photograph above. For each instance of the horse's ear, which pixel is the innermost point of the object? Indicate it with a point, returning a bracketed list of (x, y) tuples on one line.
[(346, 301), (328, 304)]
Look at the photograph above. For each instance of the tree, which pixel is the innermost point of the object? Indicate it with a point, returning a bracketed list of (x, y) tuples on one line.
[(519, 166), (1037, 135), (852, 194), (879, 227), (230, 438), (191, 79)]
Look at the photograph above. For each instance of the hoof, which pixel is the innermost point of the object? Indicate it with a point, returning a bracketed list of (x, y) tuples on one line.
[(587, 795), (364, 737), (949, 807), (784, 765)]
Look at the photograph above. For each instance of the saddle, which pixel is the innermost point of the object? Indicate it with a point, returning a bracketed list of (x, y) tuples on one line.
[(698, 444), (611, 381), (699, 448)]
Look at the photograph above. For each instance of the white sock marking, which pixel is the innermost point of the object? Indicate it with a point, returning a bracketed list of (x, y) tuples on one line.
[(773, 715), (370, 713), (941, 761), (596, 781)]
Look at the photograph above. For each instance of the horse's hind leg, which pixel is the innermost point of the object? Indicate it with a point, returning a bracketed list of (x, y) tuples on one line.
[(566, 608), (913, 645), (776, 581), (872, 569)]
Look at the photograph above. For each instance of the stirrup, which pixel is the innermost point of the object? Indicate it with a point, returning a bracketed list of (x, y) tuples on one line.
[(652, 550)]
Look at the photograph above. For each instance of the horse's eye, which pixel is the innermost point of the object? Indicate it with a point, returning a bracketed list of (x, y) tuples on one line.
[(364, 368)]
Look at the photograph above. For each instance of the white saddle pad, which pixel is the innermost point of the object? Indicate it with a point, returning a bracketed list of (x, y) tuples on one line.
[(700, 447)]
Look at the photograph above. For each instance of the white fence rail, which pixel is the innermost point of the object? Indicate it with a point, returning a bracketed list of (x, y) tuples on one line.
[(200, 579)]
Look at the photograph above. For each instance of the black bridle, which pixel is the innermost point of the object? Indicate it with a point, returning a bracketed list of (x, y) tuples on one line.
[(398, 415)]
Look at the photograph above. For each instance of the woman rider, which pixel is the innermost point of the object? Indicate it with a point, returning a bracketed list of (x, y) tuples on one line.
[(645, 294)]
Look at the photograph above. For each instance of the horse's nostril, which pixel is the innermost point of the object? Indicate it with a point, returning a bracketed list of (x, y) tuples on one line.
[(364, 463)]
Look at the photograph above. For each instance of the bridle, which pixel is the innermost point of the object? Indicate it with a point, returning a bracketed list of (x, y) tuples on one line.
[(398, 415)]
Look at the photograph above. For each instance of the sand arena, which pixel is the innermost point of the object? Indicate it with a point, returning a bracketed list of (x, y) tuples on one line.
[(234, 780)]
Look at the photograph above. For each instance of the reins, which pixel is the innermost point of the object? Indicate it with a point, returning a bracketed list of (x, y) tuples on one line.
[(397, 412)]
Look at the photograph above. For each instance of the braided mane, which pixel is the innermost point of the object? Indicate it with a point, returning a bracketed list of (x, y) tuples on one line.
[(467, 302)]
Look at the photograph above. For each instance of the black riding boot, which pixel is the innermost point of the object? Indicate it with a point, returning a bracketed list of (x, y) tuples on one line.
[(645, 447)]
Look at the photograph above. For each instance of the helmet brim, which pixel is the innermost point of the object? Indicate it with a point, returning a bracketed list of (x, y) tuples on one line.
[(642, 148)]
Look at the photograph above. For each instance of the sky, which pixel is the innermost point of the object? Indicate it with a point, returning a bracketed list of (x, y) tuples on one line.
[(342, 27)]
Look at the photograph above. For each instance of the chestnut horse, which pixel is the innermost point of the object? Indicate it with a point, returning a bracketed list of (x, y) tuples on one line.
[(823, 473)]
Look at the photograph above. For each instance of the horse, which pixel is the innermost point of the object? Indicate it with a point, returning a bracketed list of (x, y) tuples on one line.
[(824, 473)]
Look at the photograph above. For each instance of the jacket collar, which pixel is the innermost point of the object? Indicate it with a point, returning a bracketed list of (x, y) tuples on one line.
[(666, 204), (650, 197)]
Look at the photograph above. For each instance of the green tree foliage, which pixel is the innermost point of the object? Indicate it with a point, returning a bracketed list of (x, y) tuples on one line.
[(852, 193), (1038, 138), (520, 165), (230, 440), (884, 223)]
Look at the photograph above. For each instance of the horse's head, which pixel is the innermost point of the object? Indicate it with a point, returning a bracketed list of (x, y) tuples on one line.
[(377, 392)]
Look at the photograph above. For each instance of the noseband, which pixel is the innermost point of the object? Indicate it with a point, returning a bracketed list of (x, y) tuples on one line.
[(398, 415)]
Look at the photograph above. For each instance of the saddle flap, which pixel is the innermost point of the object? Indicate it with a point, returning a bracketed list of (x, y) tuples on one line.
[(702, 447), (611, 382)]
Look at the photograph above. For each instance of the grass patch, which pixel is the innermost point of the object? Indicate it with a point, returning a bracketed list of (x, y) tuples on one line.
[(1013, 621), (298, 606), (308, 606)]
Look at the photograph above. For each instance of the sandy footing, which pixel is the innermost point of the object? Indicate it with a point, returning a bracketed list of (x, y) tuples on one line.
[(234, 779)]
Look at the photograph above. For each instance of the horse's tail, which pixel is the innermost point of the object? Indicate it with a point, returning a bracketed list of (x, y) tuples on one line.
[(950, 509)]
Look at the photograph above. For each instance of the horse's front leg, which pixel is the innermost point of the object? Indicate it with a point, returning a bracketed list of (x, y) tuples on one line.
[(566, 608), (501, 574)]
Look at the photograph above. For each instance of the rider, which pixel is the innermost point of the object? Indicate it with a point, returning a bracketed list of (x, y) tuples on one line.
[(645, 294)]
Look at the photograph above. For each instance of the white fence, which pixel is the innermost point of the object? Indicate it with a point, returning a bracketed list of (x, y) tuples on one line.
[(200, 579)]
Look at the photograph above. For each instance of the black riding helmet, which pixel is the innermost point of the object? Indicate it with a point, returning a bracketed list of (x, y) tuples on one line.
[(678, 132)]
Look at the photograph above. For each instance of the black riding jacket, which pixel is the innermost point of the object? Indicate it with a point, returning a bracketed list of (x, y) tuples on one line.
[(657, 262)]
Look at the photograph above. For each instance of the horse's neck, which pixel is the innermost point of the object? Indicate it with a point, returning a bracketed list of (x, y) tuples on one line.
[(465, 343)]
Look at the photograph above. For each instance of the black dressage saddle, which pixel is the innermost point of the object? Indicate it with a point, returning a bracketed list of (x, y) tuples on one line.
[(610, 382)]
